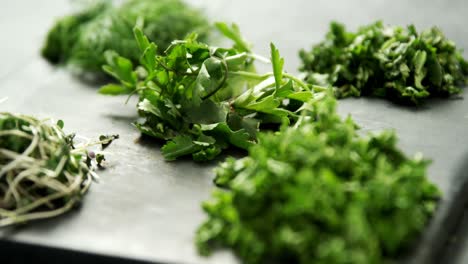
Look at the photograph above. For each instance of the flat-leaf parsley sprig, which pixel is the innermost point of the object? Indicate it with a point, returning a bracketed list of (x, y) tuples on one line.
[(202, 99)]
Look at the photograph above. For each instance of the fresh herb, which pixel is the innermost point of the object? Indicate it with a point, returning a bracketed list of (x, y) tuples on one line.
[(100, 159), (42, 173), (396, 63), (82, 38), (319, 193), (107, 140), (203, 99)]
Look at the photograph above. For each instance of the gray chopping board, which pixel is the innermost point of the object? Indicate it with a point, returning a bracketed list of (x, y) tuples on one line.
[(147, 209)]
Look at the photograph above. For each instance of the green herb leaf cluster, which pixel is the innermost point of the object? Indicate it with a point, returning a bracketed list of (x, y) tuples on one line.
[(42, 172), (203, 99), (82, 38), (391, 62), (319, 193)]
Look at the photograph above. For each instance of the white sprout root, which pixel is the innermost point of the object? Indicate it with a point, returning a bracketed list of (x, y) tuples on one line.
[(42, 174)]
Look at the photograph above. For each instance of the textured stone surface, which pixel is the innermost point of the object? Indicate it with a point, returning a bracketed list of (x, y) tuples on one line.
[(146, 208)]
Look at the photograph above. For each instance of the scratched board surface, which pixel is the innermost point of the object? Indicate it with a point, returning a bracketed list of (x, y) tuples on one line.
[(147, 209)]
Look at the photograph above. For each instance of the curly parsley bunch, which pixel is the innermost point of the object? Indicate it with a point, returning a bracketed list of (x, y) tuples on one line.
[(396, 63), (319, 193)]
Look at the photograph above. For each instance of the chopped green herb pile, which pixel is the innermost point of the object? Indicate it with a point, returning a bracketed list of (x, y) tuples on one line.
[(203, 99), (397, 63), (82, 38), (319, 193), (42, 173)]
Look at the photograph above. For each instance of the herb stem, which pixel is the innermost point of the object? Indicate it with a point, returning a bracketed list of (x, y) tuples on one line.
[(259, 58), (255, 76), (251, 75), (297, 80)]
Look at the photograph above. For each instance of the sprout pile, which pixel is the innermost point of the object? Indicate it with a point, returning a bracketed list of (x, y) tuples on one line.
[(42, 173)]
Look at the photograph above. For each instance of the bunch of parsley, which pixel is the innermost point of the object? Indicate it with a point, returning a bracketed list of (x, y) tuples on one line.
[(391, 62), (203, 99), (319, 193), (43, 172), (81, 39)]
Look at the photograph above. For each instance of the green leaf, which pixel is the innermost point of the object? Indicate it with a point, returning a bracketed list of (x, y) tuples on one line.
[(150, 131), (239, 138), (100, 158), (435, 73), (207, 153), (304, 96), (179, 146), (211, 78), (419, 60), (266, 105), (234, 34), (285, 90), (142, 40), (60, 124), (208, 112), (121, 68), (148, 59), (277, 63), (114, 89), (146, 106)]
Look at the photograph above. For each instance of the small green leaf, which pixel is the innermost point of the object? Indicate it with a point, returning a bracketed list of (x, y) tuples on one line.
[(211, 77), (304, 96), (179, 146), (208, 112), (60, 124), (146, 106), (435, 73), (285, 90), (419, 60), (121, 68), (106, 140), (234, 34), (114, 89), (148, 59), (277, 63), (142, 40), (239, 138), (266, 105), (100, 159)]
